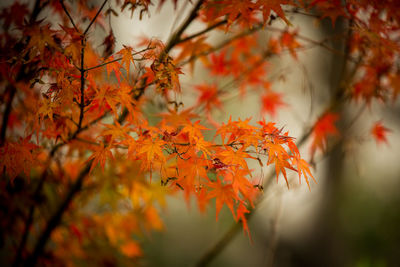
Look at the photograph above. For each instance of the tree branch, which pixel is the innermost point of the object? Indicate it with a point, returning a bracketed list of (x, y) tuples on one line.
[(118, 59), (11, 89), (223, 44), (69, 16), (175, 38), (95, 17), (210, 28), (55, 219)]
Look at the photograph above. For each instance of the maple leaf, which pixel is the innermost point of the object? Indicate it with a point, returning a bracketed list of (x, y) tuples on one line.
[(280, 164), (106, 98), (289, 41), (115, 131), (219, 64), (99, 156), (239, 131), (152, 150), (127, 58), (303, 169), (379, 132), (223, 194), (203, 146), (166, 74), (40, 38), (48, 108), (191, 48), (241, 184), (241, 215), (193, 130), (330, 8), (114, 66), (177, 118), (274, 5), (209, 96), (323, 128), (235, 158), (17, 157), (271, 101)]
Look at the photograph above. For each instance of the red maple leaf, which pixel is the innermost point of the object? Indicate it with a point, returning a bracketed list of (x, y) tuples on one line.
[(271, 101), (324, 127), (379, 132)]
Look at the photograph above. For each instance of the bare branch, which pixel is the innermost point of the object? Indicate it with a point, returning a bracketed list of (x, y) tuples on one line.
[(210, 28), (69, 16), (95, 17)]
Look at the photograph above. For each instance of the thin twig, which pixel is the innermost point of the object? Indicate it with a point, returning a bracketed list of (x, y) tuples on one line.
[(95, 17), (221, 45), (210, 28), (175, 38), (118, 59), (11, 89), (69, 16)]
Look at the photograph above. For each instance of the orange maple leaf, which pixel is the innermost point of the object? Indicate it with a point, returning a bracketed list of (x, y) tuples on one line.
[(224, 194), (303, 169), (241, 215), (127, 57), (100, 156), (152, 149), (289, 41)]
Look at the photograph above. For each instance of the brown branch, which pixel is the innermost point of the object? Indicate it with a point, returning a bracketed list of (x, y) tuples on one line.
[(68, 15), (82, 88), (11, 89), (95, 17), (175, 38), (210, 28), (55, 219), (118, 59), (222, 45)]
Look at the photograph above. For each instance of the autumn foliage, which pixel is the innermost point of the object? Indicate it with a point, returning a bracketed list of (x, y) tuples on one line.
[(86, 167)]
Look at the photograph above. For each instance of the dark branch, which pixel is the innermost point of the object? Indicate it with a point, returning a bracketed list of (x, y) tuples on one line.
[(55, 219), (210, 28), (95, 17), (118, 59), (69, 16), (175, 38), (11, 89)]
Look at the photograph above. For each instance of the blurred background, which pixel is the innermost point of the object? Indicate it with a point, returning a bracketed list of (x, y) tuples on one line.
[(350, 218)]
